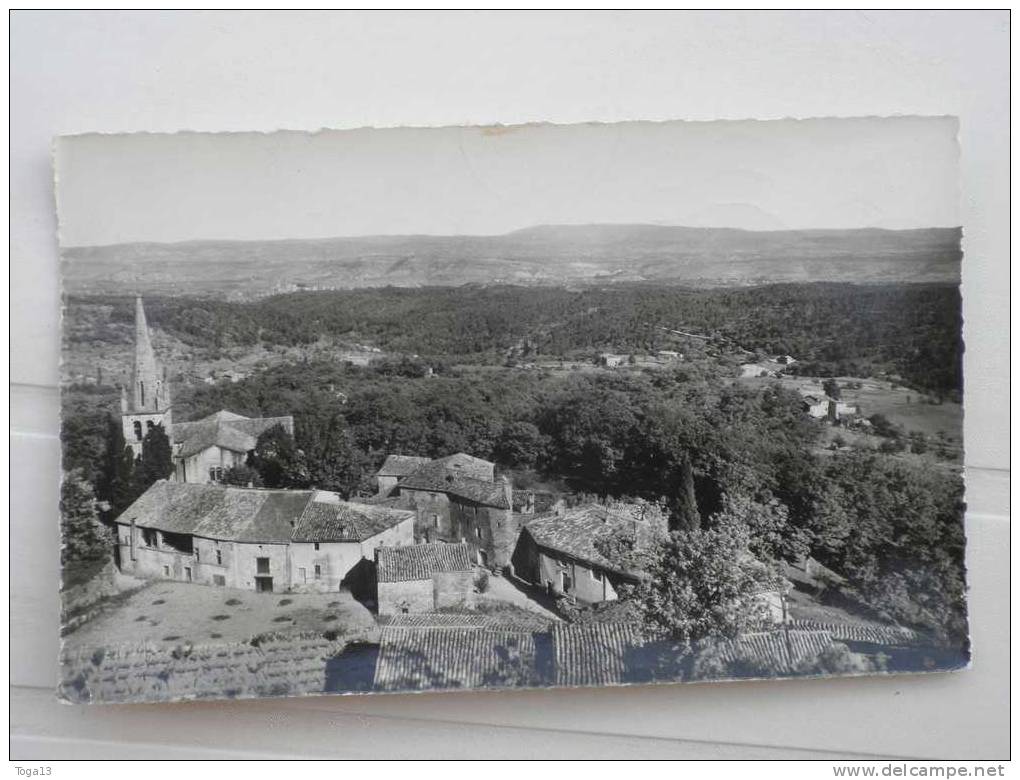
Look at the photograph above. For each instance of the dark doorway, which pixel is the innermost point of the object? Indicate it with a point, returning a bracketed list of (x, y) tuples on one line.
[(263, 584)]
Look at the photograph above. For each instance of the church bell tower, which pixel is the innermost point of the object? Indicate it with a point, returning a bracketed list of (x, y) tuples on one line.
[(147, 403)]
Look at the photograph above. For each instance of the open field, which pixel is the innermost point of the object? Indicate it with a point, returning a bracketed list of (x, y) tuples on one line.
[(172, 613), (901, 405)]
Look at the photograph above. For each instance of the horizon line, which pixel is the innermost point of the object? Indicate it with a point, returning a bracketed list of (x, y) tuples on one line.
[(538, 226)]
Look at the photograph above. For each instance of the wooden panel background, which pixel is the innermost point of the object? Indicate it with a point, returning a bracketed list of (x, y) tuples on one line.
[(80, 71)]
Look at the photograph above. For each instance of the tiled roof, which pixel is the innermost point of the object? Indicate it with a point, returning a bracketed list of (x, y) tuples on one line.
[(256, 515), (617, 653), (575, 531), (861, 632), (595, 653), (218, 511), (420, 561), (345, 522), (400, 465), (435, 477), (782, 650), (224, 429), (414, 658), (468, 466), (443, 620)]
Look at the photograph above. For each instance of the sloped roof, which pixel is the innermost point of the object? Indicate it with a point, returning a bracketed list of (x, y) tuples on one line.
[(619, 653), (345, 522), (257, 515), (413, 658), (595, 653), (783, 650), (420, 561), (224, 429), (576, 530), (436, 477), (468, 465), (443, 620), (400, 465), (219, 511)]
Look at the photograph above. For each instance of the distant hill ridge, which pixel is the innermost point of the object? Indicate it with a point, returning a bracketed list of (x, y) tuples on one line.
[(543, 254)]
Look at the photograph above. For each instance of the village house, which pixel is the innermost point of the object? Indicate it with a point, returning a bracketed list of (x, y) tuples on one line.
[(458, 499), (423, 577), (610, 360), (254, 539), (822, 407), (202, 450), (559, 550), (394, 468)]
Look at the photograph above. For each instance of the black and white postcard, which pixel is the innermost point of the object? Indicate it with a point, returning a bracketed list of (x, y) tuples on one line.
[(421, 409)]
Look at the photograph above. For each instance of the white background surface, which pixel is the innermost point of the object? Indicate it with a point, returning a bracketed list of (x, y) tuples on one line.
[(115, 72)]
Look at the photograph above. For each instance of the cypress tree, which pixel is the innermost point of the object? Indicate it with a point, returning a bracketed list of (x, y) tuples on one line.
[(156, 461), (116, 472)]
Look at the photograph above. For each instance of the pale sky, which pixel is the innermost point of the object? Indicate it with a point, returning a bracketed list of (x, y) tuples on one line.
[(789, 174)]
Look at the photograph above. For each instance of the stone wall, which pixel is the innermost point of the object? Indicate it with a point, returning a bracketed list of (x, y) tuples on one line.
[(413, 596), (237, 561), (453, 589)]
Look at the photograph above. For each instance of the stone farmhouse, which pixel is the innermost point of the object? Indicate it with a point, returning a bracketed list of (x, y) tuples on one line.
[(254, 539), (559, 550), (423, 578), (202, 450), (458, 499), (395, 468), (610, 360), (205, 449), (822, 407)]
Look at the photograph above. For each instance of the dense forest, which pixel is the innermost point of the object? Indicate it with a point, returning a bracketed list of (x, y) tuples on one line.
[(909, 330)]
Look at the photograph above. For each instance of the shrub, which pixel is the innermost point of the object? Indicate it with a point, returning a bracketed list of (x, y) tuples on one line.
[(481, 580)]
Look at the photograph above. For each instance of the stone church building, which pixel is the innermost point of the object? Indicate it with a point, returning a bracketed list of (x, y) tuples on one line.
[(202, 450)]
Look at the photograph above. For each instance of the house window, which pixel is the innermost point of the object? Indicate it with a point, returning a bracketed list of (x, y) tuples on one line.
[(141, 389), (198, 558), (565, 582), (318, 572), (138, 430), (262, 566), (149, 538), (166, 571), (215, 473), (187, 574), (435, 521), (219, 558), (149, 425), (316, 546), (219, 579), (478, 533)]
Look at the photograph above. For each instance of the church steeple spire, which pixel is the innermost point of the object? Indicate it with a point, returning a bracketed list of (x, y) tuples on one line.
[(149, 392)]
